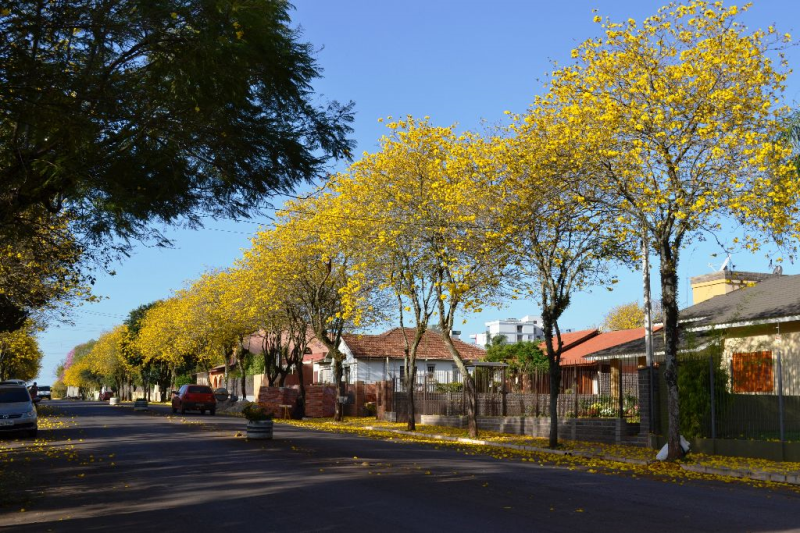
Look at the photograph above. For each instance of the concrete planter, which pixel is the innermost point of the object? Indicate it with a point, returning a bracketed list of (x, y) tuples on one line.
[(259, 429), (140, 405), (113, 401)]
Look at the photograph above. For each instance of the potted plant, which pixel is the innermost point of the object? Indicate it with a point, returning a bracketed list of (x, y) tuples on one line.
[(259, 422)]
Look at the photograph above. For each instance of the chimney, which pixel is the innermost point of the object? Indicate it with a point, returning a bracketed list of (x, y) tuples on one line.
[(721, 282)]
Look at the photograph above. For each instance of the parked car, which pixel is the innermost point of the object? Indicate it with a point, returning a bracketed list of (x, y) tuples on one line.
[(13, 382), (104, 396), (194, 398), (44, 392), (17, 410)]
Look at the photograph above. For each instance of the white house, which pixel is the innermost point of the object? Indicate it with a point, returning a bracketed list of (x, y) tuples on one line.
[(371, 358), (529, 328)]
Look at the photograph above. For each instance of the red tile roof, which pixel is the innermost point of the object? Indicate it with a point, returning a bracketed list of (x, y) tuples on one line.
[(573, 338), (392, 344), (575, 354)]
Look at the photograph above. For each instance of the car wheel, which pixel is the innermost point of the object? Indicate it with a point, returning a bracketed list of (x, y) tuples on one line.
[(33, 432), (183, 411), (213, 412), (174, 410), (202, 411)]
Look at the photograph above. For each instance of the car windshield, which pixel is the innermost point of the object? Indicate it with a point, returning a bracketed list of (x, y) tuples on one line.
[(45, 387), (13, 395), (195, 390)]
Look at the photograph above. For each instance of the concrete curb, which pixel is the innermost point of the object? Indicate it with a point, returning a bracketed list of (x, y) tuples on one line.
[(792, 478)]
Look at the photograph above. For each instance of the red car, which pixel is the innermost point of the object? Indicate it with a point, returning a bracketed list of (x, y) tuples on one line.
[(194, 398)]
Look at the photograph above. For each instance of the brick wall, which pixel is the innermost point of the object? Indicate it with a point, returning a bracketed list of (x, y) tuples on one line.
[(271, 398), (320, 401), (358, 394)]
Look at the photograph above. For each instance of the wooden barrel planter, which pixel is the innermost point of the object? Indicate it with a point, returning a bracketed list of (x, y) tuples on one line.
[(140, 405), (259, 429), (113, 401)]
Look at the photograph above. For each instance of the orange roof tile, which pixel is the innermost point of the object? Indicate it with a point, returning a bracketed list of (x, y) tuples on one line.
[(392, 344), (575, 354), (573, 338)]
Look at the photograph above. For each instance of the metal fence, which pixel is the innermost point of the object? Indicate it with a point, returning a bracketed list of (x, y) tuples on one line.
[(602, 390), (739, 395)]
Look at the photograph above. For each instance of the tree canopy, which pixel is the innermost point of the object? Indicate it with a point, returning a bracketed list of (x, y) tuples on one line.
[(682, 116), (625, 316), (127, 112)]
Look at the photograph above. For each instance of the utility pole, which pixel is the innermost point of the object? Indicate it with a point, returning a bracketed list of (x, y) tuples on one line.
[(648, 322)]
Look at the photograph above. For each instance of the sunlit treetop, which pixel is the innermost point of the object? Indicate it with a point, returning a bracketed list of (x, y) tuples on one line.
[(683, 113)]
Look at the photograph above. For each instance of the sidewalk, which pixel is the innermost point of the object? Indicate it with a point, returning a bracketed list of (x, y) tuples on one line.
[(726, 468), (765, 471), (759, 470)]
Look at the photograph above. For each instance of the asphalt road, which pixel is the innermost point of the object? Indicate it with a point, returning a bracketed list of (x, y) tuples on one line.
[(149, 472)]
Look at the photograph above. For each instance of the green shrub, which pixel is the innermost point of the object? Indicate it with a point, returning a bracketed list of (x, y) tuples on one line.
[(184, 379), (449, 387), (694, 393), (255, 413)]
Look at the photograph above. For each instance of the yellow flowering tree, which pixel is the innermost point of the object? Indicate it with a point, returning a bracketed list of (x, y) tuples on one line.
[(625, 316), (279, 324), (304, 265), (562, 244), (418, 220), (107, 360), (682, 114), (20, 356)]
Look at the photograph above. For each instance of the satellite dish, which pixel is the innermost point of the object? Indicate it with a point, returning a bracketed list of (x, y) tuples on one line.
[(725, 264), (777, 271)]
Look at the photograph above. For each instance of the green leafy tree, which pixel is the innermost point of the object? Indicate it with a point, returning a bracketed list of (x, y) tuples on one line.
[(522, 358), (125, 112)]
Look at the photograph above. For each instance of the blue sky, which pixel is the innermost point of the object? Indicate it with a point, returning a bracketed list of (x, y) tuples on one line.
[(458, 61)]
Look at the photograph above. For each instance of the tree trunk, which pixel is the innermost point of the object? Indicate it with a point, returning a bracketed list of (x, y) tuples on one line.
[(555, 387), (472, 405), (338, 371), (240, 363), (470, 394), (410, 379), (301, 398), (669, 304)]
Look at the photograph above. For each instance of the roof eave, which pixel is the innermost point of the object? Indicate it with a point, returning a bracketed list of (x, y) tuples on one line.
[(747, 323)]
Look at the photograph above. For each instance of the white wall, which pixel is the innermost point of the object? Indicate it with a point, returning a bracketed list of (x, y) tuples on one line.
[(373, 370), (527, 329)]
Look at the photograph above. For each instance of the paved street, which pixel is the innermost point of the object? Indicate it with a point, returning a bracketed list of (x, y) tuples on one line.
[(150, 472)]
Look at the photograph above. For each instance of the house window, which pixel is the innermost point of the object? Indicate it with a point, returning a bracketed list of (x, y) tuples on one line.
[(431, 368), (752, 372), (519, 338), (519, 329)]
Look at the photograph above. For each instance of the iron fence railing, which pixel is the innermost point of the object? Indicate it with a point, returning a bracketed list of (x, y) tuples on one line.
[(602, 390)]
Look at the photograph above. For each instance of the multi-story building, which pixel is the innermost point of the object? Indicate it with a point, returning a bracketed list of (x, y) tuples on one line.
[(528, 328)]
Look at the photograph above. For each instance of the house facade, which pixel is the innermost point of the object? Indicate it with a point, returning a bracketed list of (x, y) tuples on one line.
[(757, 325), (373, 358)]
